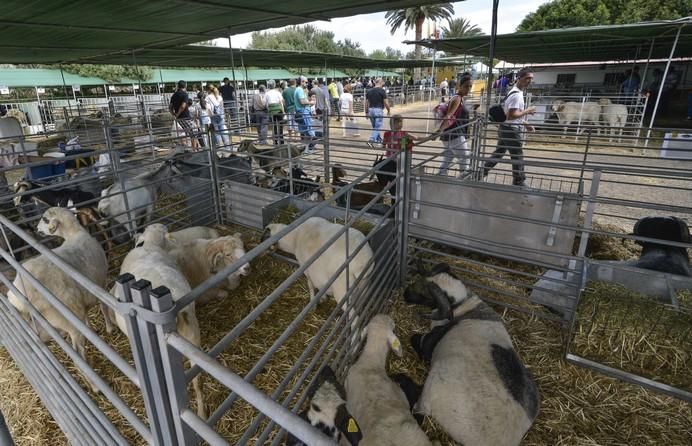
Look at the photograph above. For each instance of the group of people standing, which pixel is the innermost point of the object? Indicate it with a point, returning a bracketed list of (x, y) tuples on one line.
[(210, 111)]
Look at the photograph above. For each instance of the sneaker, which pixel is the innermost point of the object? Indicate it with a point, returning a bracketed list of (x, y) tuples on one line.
[(309, 151), (371, 144)]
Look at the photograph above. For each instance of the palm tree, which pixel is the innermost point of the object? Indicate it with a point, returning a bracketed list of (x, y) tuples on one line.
[(413, 18), (460, 27)]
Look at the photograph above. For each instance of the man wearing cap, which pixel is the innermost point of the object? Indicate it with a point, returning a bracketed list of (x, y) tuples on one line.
[(509, 132), (375, 103), (229, 102), (303, 119), (179, 109)]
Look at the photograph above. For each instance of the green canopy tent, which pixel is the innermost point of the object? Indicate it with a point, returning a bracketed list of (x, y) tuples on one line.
[(63, 31)]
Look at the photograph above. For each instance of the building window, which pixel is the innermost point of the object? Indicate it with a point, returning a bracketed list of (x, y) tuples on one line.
[(566, 79)]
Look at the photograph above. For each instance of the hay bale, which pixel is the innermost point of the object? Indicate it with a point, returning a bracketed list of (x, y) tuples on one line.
[(635, 333)]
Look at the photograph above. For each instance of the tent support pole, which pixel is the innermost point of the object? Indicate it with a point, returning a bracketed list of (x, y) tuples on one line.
[(69, 105), (646, 67), (432, 88), (660, 88), (230, 50), (491, 56)]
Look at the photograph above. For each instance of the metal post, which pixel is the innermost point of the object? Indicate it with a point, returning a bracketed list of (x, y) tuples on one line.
[(38, 99), (646, 67), (151, 396), (213, 169), (586, 154), (432, 90), (158, 366), (171, 363), (114, 156), (402, 211), (491, 55), (660, 88), (326, 145)]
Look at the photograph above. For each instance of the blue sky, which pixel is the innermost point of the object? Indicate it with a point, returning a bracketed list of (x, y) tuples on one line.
[(371, 31)]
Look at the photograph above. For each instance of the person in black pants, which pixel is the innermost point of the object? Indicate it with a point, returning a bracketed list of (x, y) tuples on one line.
[(509, 132)]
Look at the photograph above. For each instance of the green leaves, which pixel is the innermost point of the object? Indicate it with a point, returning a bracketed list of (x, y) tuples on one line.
[(572, 13), (304, 38), (110, 73)]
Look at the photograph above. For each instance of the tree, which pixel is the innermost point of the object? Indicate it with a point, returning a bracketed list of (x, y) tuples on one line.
[(304, 38), (387, 53), (460, 27), (413, 18), (110, 73), (571, 13)]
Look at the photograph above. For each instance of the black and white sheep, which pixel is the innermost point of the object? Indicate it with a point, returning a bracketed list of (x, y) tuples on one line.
[(378, 403), (477, 389), (327, 411)]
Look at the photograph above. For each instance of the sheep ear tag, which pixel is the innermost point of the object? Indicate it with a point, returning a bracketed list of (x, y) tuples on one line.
[(396, 345), (348, 426)]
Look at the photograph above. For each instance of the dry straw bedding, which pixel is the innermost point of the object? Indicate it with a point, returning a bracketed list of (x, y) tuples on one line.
[(578, 407)]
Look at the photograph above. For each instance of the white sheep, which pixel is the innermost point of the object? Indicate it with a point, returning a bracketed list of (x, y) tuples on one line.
[(377, 402), (615, 115), (187, 235), (81, 251), (304, 241), (577, 112), (477, 389), (200, 259), (150, 261)]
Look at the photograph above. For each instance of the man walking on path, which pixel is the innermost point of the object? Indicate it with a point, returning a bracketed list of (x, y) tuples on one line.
[(290, 104), (229, 103), (303, 119), (375, 103), (509, 132), (321, 98), (334, 97), (179, 109)]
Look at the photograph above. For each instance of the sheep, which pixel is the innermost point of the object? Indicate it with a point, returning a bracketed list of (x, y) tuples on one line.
[(81, 251), (188, 235), (363, 193), (615, 115), (141, 192), (151, 262), (272, 156), (200, 259), (660, 256), (69, 197), (380, 406), (327, 411), (477, 389), (577, 112), (309, 237)]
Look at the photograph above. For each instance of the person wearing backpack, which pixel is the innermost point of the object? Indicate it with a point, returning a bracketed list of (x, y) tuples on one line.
[(215, 103), (509, 131), (276, 110), (454, 130)]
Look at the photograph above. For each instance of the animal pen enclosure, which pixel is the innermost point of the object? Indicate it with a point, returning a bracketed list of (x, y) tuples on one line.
[(527, 249)]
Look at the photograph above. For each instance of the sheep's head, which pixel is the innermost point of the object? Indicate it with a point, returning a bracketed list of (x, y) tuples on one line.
[(327, 411), (381, 329), (19, 188), (338, 174), (558, 105), (153, 235), (225, 251), (283, 244), (417, 292), (55, 221), (604, 101)]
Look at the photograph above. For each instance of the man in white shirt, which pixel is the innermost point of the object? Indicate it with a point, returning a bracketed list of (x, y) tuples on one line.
[(509, 132)]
